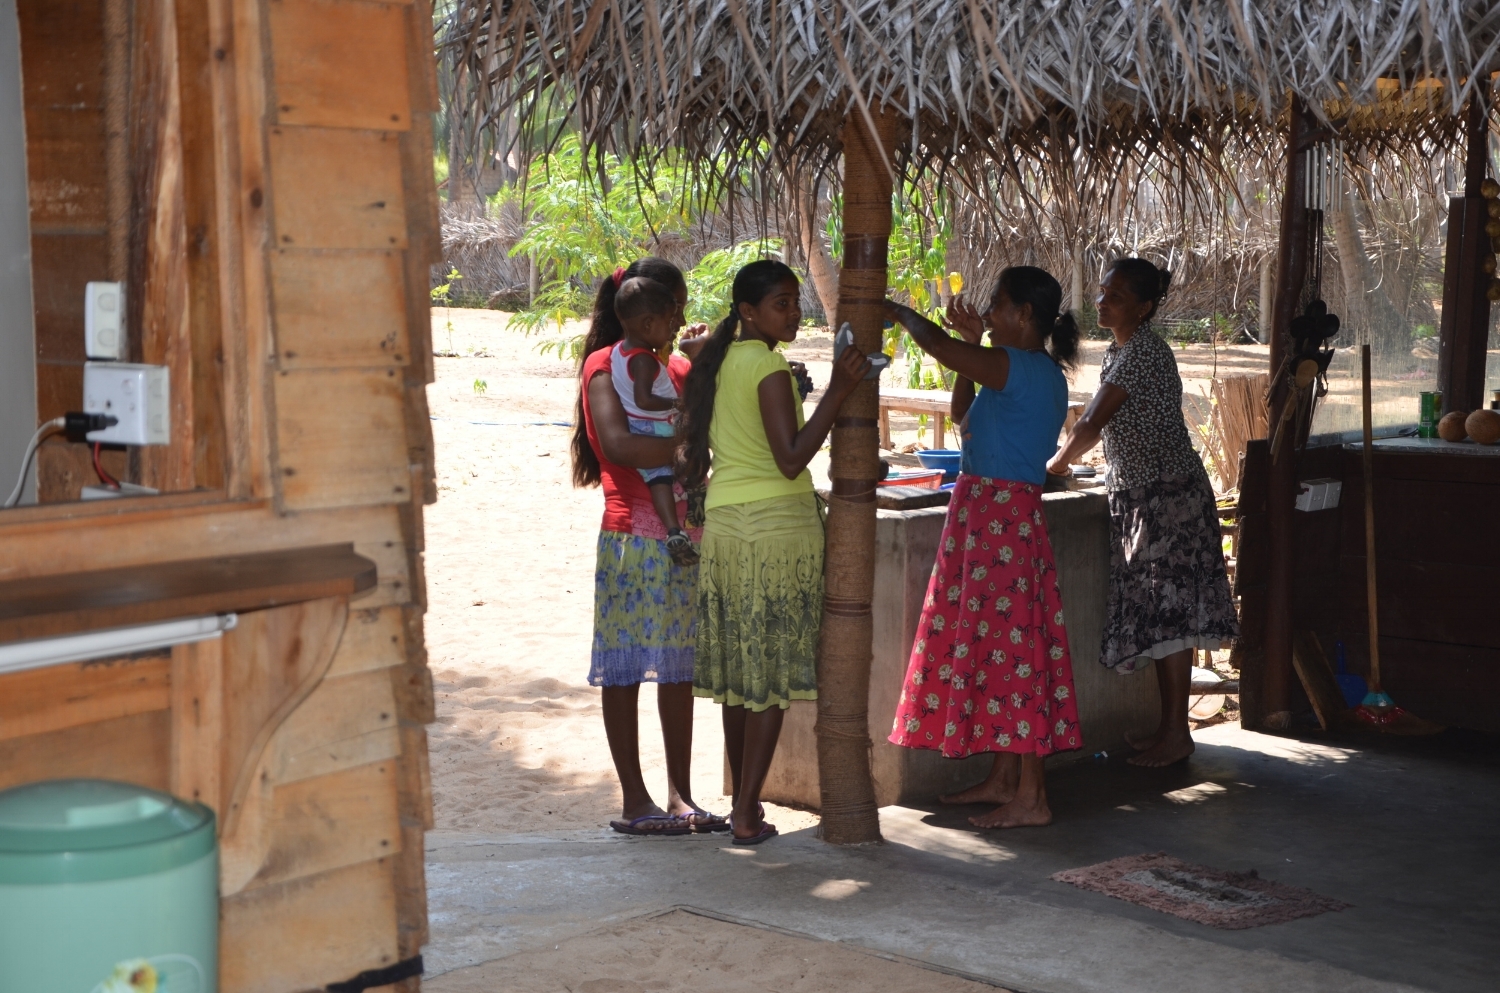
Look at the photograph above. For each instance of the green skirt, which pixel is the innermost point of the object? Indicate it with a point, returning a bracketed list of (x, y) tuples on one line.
[(760, 603)]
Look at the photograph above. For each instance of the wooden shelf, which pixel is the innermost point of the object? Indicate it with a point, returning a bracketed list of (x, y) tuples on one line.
[(41, 607)]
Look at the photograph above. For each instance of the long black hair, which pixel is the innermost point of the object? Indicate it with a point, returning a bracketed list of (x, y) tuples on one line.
[(1148, 281), (1025, 284), (752, 284), (604, 330)]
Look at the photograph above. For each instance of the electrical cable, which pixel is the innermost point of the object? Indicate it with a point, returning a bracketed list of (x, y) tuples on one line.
[(56, 424), (104, 477)]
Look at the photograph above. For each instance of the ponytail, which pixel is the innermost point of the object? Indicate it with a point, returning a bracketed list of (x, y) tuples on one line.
[(1025, 284), (605, 330), (752, 284), (1062, 341)]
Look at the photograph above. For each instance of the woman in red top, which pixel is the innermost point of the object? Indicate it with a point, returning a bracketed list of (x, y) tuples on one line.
[(644, 612)]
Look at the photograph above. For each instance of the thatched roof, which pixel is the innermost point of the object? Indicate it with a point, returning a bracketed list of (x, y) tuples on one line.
[(979, 81)]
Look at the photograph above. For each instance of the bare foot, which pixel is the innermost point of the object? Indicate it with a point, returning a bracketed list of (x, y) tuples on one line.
[(1169, 751), (1017, 813), (1144, 742), (985, 792)]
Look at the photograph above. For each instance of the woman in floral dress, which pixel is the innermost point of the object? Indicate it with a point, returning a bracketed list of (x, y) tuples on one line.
[(990, 669), (1168, 592)]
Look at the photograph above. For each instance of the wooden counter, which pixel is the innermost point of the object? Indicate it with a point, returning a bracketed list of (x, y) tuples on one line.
[(43, 606)]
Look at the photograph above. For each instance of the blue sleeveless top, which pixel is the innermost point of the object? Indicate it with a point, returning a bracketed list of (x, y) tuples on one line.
[(1011, 433)]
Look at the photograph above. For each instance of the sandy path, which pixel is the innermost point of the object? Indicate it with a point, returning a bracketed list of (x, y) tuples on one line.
[(519, 745)]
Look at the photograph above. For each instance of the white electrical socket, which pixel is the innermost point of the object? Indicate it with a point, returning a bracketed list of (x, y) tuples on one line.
[(138, 396), (104, 321)]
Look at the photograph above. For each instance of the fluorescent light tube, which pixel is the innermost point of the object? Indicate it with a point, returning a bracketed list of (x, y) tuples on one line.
[(38, 652)]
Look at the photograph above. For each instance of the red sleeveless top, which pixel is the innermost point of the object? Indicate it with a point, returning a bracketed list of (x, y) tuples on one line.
[(627, 501)]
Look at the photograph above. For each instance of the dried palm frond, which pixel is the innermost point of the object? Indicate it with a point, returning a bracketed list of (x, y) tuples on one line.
[(1237, 414), (1064, 100)]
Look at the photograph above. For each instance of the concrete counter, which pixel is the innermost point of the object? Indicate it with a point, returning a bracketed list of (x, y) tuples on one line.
[(906, 547)]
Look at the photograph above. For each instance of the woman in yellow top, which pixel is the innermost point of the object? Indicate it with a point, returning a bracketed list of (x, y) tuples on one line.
[(760, 584)]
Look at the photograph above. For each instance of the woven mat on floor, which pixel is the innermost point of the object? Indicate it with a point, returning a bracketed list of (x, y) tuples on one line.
[(1227, 900)]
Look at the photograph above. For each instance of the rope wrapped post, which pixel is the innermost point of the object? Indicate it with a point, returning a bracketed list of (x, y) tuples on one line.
[(849, 813)]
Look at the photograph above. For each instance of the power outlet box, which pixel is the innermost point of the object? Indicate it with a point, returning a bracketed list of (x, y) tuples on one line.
[(137, 396), (104, 321)]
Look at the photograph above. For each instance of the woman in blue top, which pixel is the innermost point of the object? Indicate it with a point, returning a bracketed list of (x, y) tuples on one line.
[(990, 669)]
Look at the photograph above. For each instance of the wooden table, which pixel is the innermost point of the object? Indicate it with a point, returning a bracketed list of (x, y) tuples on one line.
[(935, 402)]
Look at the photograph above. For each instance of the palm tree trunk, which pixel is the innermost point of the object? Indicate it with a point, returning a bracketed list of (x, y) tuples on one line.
[(825, 277), (844, 651)]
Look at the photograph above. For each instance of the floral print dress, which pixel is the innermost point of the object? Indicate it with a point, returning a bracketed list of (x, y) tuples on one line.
[(990, 670)]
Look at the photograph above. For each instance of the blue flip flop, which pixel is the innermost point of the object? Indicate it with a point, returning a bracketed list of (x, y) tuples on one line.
[(672, 826), (708, 825), (767, 831)]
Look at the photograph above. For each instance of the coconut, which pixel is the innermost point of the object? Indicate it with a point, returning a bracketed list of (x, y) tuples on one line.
[(1451, 427), (1484, 426), (1490, 189)]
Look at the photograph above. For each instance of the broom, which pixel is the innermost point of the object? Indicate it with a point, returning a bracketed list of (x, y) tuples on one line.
[(1378, 710)]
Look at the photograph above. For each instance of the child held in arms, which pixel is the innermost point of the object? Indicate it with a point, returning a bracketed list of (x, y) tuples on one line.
[(647, 310)]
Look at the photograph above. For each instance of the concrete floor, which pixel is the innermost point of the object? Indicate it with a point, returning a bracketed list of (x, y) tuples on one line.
[(1405, 830)]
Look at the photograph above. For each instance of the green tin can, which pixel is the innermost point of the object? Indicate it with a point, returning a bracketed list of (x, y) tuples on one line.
[(1430, 413)]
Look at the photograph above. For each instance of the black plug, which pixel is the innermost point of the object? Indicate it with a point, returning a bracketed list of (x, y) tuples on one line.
[(80, 424)]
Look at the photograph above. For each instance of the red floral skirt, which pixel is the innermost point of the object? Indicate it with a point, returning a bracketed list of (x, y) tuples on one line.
[(990, 669)]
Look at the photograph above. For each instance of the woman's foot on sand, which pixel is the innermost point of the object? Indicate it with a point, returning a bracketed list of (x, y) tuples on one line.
[(1016, 813), (986, 792), (1169, 750)]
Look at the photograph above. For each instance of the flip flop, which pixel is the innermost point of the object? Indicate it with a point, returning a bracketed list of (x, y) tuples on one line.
[(708, 825), (673, 825), (767, 831)]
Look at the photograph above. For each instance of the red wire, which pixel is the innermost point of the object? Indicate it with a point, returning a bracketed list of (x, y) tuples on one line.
[(104, 477)]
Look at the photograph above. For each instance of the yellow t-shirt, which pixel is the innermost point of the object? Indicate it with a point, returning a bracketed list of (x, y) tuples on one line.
[(743, 469)]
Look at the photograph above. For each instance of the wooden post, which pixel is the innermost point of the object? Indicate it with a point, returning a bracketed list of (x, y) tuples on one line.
[(844, 650), (1267, 300), (1291, 274), (1464, 333)]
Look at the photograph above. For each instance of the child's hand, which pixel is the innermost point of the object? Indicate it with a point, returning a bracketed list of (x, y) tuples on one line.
[(964, 320), (802, 379), (848, 371)]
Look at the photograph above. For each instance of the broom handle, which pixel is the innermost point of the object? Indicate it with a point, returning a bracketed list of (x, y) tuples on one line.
[(1367, 455)]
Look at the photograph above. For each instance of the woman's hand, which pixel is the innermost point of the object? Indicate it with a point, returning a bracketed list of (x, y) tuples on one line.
[(964, 320), (847, 372), (1056, 468)]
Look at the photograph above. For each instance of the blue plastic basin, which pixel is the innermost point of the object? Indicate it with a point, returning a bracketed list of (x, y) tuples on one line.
[(946, 459)]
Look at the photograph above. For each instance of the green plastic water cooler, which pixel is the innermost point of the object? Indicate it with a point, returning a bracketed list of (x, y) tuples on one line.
[(106, 888)]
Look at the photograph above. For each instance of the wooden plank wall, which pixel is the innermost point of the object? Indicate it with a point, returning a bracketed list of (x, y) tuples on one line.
[(351, 235), (64, 89), (311, 224)]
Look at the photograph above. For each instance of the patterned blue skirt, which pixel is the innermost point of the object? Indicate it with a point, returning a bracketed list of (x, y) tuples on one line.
[(645, 618)]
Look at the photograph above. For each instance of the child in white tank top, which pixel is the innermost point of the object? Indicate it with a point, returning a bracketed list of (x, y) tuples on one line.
[(646, 310)]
